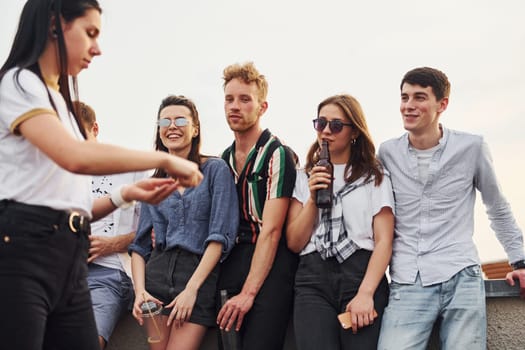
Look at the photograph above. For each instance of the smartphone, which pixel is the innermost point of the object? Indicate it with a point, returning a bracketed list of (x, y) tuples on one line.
[(346, 319)]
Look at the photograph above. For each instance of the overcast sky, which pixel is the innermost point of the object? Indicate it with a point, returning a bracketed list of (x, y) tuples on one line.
[(309, 51)]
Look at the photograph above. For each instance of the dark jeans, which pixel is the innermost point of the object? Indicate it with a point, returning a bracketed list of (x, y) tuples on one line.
[(323, 288), (43, 291), (264, 326)]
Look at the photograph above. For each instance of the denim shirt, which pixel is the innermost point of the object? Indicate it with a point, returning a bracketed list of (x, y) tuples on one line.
[(435, 220), (208, 212)]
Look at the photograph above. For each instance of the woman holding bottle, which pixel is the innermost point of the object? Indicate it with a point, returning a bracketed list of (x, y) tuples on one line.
[(345, 246)]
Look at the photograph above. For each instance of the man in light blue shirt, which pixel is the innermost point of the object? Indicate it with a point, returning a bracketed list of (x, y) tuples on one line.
[(435, 268)]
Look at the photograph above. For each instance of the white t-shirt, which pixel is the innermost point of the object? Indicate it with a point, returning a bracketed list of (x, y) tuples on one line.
[(119, 222), (359, 207), (27, 175), (423, 161)]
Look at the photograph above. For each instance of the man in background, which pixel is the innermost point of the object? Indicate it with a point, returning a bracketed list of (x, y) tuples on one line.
[(109, 265)]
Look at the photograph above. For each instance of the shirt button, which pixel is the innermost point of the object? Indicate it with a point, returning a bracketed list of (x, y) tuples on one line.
[(7, 239)]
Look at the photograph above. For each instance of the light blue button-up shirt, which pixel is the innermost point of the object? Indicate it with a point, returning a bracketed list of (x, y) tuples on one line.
[(435, 220), (208, 212)]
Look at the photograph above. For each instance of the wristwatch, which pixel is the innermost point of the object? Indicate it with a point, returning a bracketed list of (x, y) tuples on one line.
[(520, 264)]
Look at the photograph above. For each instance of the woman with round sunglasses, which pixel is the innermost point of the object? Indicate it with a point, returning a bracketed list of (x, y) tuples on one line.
[(195, 228), (45, 199), (344, 250)]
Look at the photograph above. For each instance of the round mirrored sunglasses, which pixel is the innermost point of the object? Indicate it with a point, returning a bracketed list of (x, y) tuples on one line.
[(178, 122)]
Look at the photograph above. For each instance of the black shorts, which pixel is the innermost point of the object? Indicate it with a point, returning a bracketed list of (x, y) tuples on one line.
[(168, 272)]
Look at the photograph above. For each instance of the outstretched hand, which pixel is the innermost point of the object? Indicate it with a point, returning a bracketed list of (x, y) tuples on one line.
[(152, 190), (184, 171)]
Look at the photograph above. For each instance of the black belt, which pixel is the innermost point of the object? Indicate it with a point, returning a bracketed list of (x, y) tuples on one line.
[(245, 238), (76, 222)]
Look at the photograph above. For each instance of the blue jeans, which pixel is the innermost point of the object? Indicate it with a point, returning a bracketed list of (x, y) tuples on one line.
[(111, 294), (457, 305)]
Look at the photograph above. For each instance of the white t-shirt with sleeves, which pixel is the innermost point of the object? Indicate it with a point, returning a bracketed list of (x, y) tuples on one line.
[(27, 175), (359, 207)]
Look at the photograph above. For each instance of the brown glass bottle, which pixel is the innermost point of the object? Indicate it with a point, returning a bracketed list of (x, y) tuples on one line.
[(323, 198), (231, 340)]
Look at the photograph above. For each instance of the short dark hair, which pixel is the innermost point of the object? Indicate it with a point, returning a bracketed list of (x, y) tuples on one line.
[(426, 76), (85, 113)]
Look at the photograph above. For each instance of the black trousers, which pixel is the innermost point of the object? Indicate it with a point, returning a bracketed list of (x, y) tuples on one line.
[(43, 290), (264, 326), (322, 290)]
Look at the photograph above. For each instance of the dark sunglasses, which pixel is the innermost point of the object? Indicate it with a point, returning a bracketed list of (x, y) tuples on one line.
[(336, 125), (166, 122)]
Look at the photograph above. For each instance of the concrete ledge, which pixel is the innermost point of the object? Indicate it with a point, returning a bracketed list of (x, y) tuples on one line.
[(500, 288), (505, 330)]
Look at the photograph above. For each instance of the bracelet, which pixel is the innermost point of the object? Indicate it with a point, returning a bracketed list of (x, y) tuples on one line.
[(118, 201)]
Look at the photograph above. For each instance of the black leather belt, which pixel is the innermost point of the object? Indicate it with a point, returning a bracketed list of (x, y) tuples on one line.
[(73, 220), (245, 238)]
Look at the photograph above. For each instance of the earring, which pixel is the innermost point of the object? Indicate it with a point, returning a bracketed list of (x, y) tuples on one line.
[(353, 141), (54, 33)]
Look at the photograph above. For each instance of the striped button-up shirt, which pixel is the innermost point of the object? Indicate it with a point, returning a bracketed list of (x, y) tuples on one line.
[(435, 220), (269, 173)]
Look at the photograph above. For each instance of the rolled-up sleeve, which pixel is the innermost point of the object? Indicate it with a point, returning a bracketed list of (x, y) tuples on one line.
[(142, 244), (224, 211)]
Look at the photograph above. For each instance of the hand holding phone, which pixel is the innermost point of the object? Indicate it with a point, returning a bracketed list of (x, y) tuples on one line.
[(346, 320)]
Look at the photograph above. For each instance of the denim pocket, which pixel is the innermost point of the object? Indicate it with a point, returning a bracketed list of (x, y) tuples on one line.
[(202, 207), (472, 271)]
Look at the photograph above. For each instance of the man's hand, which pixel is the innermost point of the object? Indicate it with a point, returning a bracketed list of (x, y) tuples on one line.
[(100, 246), (103, 246), (234, 311), (517, 275)]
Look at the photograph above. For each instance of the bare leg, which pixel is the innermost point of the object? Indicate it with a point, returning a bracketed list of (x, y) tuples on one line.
[(187, 337)]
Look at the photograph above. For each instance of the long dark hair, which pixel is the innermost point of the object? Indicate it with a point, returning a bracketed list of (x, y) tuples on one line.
[(31, 38), (195, 155), (362, 158)]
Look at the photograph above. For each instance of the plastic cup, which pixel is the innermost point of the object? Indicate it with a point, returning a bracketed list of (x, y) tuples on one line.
[(152, 315)]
